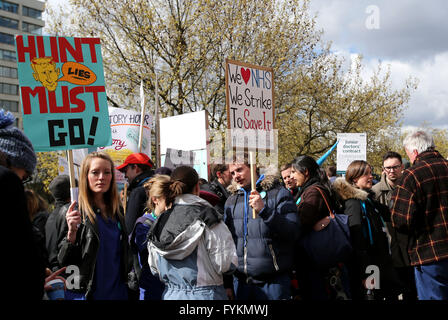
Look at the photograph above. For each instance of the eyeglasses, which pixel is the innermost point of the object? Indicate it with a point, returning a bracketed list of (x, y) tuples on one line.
[(392, 168)]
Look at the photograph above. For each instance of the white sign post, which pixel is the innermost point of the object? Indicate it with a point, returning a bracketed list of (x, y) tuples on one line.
[(351, 147)]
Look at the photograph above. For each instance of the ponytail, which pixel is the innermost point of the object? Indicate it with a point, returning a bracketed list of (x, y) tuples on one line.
[(177, 188), (183, 180)]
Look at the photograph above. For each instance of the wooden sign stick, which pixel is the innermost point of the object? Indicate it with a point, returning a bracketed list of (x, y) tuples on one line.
[(252, 177)]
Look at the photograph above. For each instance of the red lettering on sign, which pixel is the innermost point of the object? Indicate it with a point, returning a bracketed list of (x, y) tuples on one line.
[(40, 91)]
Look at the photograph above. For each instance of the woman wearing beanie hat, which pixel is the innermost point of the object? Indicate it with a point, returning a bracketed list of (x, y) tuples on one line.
[(16, 147)]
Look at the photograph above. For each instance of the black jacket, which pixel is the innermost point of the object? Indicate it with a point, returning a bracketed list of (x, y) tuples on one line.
[(25, 264), (137, 199), (55, 230), (369, 239), (218, 189), (83, 253)]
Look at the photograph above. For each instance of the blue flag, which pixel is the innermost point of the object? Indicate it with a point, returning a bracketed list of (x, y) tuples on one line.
[(325, 156)]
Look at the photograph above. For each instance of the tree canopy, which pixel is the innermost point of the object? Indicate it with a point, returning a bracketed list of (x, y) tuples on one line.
[(187, 41)]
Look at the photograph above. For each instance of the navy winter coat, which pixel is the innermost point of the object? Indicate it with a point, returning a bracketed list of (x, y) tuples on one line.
[(265, 245)]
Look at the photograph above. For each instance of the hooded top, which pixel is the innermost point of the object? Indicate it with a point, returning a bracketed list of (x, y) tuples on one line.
[(190, 248)]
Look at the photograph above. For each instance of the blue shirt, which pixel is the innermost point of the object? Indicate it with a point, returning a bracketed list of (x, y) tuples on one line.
[(108, 282)]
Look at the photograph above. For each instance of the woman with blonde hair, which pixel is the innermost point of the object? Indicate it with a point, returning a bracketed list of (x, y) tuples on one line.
[(96, 240), (158, 191)]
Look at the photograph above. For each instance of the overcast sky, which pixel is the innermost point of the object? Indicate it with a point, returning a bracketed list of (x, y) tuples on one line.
[(409, 35)]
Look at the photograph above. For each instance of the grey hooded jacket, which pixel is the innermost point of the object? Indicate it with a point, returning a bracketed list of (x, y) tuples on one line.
[(190, 248)]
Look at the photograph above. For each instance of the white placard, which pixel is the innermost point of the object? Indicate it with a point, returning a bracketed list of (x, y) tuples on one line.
[(250, 105), (351, 146), (125, 126), (187, 132)]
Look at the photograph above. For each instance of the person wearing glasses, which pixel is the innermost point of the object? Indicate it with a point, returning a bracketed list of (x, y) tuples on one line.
[(19, 246), (392, 171)]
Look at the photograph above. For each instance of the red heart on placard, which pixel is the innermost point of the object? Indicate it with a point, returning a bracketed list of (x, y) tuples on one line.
[(245, 73)]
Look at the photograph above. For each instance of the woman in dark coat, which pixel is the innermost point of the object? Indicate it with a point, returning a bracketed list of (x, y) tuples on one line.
[(368, 233), (96, 240), (312, 208)]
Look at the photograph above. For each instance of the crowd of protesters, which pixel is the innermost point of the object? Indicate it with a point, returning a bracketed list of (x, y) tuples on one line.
[(177, 237)]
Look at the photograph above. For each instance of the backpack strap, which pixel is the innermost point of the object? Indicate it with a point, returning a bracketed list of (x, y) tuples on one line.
[(364, 211), (323, 223), (326, 202)]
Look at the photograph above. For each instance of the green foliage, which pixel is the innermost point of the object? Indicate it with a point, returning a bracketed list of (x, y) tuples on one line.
[(46, 171), (187, 41)]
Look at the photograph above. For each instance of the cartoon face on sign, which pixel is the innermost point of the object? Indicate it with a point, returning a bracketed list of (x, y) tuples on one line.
[(45, 72)]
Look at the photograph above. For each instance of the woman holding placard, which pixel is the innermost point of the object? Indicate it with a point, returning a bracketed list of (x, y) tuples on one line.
[(96, 241)]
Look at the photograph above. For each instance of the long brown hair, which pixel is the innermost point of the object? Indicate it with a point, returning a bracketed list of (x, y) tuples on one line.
[(85, 197), (34, 203)]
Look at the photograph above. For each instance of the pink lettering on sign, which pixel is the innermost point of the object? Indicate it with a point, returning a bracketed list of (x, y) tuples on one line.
[(117, 143)]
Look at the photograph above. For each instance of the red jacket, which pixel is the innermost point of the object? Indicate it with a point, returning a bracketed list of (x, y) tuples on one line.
[(420, 208)]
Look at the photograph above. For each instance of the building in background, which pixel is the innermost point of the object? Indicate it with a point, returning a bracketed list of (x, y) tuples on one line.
[(16, 17)]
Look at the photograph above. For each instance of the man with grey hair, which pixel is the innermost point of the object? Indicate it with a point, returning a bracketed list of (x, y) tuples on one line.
[(419, 208)]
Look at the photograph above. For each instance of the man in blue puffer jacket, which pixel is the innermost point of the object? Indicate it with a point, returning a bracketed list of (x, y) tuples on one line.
[(265, 245)]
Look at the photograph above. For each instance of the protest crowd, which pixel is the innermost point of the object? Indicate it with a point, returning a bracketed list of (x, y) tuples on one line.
[(302, 232)]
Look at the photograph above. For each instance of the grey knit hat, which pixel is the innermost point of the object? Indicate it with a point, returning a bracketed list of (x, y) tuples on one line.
[(15, 145)]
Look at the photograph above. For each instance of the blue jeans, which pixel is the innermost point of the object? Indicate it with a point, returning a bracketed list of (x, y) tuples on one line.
[(277, 289), (431, 281)]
